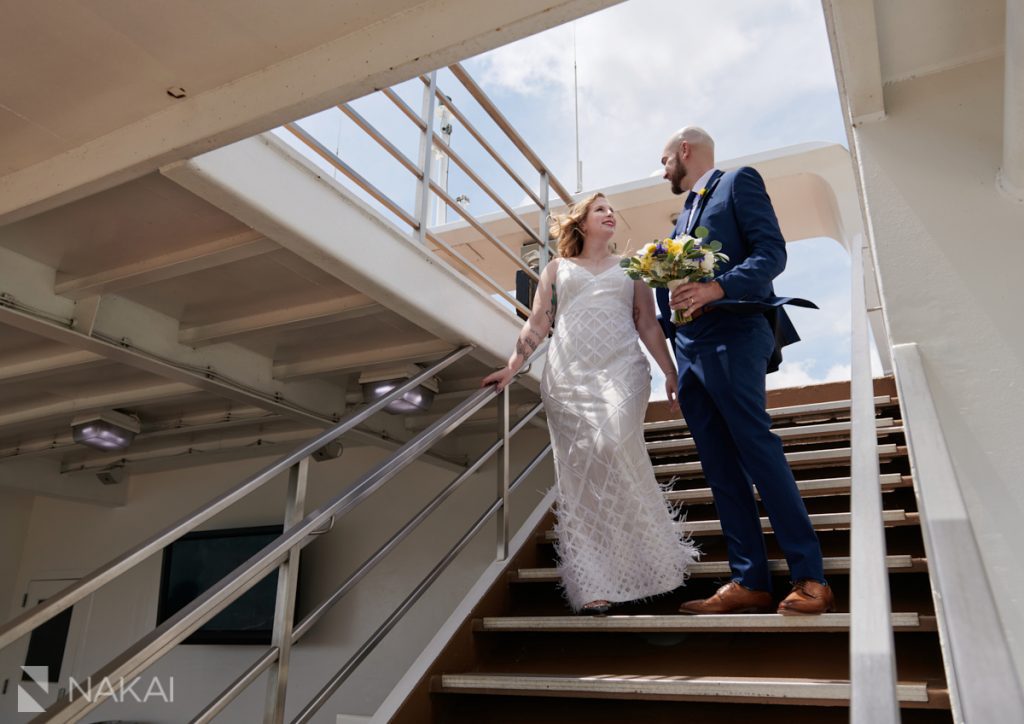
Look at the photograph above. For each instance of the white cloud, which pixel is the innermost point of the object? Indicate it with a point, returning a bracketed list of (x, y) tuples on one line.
[(743, 70), (800, 373)]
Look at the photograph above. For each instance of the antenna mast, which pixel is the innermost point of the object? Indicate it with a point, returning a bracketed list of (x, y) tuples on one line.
[(576, 100)]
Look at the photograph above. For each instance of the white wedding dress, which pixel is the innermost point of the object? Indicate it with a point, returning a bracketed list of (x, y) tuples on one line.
[(617, 538)]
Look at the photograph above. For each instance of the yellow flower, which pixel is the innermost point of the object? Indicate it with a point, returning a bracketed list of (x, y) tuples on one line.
[(702, 191), (675, 246)]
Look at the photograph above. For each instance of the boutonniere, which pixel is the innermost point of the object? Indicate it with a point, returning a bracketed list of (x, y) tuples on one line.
[(702, 191)]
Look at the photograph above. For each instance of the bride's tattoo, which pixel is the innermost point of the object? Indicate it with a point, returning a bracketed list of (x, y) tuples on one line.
[(554, 306), (526, 345)]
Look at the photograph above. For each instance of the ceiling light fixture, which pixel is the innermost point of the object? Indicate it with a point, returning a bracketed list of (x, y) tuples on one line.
[(379, 383), (105, 429)]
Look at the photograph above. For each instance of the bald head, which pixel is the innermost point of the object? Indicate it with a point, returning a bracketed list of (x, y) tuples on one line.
[(699, 140), (689, 153)]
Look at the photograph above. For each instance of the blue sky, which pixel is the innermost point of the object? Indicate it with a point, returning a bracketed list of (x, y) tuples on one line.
[(756, 73)]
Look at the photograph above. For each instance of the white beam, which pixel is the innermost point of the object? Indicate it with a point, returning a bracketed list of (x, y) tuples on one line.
[(426, 36), (1011, 174), (25, 368), (167, 266), (239, 444), (144, 339), (202, 422), (412, 352), (269, 187), (853, 35), (127, 397), (312, 314)]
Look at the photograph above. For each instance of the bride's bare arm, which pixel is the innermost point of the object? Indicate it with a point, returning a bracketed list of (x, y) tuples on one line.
[(652, 336), (534, 331)]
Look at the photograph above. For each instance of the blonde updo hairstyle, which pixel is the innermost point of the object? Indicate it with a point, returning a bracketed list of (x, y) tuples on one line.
[(568, 228)]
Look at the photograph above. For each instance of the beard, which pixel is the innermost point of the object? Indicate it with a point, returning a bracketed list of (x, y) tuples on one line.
[(676, 179)]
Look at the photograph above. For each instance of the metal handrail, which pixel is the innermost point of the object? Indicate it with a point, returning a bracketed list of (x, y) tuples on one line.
[(443, 195), (311, 619), (404, 108), (178, 627), (980, 673), (389, 623), (421, 171), (334, 160), (873, 697), (25, 623), (475, 178), (476, 271), (370, 130), (503, 123), (476, 134), (361, 181), (437, 141)]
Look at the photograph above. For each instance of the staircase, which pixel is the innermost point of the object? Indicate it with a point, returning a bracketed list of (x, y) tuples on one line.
[(522, 657)]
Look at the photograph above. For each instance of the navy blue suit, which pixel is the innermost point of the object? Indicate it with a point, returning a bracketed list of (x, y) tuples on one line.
[(723, 357)]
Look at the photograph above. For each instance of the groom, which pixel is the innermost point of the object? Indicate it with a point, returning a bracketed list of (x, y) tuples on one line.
[(723, 355)]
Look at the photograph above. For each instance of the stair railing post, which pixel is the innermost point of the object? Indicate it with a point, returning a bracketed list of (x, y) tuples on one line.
[(426, 157), (503, 473), (545, 214), (284, 608)]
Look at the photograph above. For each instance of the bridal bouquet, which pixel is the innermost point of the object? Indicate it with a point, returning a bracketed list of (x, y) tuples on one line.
[(671, 262)]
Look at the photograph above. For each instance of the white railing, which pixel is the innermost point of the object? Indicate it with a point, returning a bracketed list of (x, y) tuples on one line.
[(983, 682), (873, 698), (428, 189)]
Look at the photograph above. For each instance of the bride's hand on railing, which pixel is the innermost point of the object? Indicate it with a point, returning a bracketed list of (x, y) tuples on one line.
[(502, 378)]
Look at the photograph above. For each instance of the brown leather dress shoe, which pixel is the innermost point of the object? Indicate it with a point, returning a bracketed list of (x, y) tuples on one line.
[(808, 598), (730, 598)]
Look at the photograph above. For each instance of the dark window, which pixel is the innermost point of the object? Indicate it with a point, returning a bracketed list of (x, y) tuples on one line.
[(46, 646)]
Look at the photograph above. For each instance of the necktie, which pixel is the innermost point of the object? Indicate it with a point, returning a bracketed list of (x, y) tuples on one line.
[(689, 206)]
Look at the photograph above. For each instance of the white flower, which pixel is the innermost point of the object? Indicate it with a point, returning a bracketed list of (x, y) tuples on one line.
[(707, 264)]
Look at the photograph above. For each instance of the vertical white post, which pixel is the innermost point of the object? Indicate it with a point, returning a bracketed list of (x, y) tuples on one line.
[(426, 157), (441, 211), (284, 608), (545, 214), (873, 697), (1011, 174), (503, 474)]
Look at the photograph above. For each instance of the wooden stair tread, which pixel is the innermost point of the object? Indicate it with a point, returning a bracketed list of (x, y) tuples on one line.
[(801, 458), (885, 426), (763, 622), (820, 521), (832, 564), (816, 408), (808, 488), (762, 689)]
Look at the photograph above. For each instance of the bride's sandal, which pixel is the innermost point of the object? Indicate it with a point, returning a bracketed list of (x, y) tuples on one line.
[(595, 608)]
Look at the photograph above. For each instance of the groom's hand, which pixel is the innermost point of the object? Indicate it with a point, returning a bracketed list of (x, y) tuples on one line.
[(692, 296)]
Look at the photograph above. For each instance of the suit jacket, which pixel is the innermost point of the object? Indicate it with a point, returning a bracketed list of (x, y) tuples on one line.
[(738, 213)]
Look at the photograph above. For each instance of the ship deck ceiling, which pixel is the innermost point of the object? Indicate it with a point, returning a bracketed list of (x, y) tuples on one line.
[(125, 55), (150, 255)]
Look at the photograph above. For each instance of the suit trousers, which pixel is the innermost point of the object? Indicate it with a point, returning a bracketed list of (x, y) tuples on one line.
[(722, 369)]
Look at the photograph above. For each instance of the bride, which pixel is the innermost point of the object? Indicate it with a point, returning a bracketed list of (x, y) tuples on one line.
[(617, 539)]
